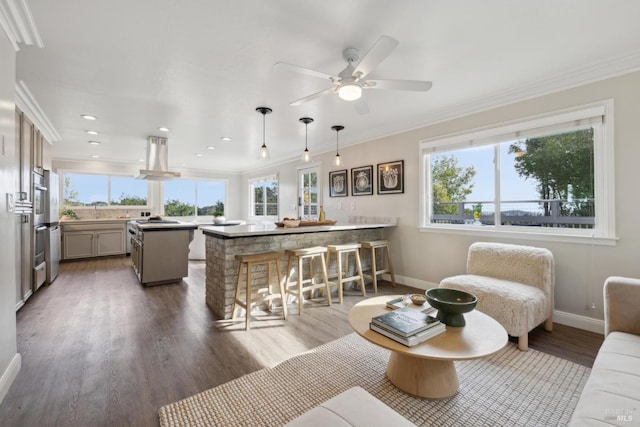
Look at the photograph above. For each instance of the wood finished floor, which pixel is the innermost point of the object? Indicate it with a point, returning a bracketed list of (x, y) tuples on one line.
[(98, 349)]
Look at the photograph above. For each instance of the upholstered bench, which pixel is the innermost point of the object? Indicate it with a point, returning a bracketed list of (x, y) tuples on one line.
[(354, 407)]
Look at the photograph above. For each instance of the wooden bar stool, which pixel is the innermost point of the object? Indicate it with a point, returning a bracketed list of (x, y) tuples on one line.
[(297, 288), (342, 269), (374, 245), (249, 301)]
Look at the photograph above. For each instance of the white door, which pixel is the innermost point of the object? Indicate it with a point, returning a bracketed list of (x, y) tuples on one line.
[(309, 193)]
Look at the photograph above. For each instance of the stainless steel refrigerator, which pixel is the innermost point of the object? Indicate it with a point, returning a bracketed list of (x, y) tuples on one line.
[(52, 218)]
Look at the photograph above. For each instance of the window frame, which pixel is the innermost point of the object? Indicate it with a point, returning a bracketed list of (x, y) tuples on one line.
[(63, 172), (195, 181), (252, 202), (604, 185)]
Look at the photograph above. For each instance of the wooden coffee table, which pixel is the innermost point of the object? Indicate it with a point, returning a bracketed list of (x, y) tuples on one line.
[(427, 371)]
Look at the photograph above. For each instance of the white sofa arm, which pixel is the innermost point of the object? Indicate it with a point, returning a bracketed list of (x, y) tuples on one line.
[(621, 305)]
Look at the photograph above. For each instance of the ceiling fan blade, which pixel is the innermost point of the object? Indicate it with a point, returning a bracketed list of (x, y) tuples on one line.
[(378, 52), (417, 85), (305, 71), (313, 96), (361, 106)]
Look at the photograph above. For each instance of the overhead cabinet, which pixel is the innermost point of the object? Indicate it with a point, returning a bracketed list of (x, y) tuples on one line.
[(93, 240)]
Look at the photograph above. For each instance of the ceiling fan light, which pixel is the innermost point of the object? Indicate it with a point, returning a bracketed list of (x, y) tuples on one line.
[(350, 91)]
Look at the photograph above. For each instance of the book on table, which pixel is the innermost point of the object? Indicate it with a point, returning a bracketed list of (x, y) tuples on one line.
[(398, 303), (405, 321), (412, 340)]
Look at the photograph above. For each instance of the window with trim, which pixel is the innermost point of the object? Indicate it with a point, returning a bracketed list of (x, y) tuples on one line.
[(264, 197), (82, 189), (544, 175), (184, 197)]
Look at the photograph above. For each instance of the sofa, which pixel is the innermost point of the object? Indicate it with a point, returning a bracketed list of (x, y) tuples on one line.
[(611, 395), (353, 407), (514, 284)]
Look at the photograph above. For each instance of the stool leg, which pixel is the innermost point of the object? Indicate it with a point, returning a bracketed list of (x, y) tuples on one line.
[(374, 270), (248, 311), (326, 279), (283, 295), (300, 298), (390, 267), (269, 284), (235, 299), (339, 271), (359, 268)]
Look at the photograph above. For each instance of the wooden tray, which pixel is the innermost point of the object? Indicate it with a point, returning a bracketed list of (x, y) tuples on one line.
[(310, 223)]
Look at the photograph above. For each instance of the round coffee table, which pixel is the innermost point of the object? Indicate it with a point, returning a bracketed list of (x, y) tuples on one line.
[(426, 370)]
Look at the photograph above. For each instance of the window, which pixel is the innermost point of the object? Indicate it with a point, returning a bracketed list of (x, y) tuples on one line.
[(264, 197), (547, 175), (184, 197), (80, 189)]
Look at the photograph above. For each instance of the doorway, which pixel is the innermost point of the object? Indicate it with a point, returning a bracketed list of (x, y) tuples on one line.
[(309, 193)]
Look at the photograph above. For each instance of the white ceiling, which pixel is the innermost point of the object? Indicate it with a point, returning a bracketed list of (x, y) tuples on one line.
[(202, 67)]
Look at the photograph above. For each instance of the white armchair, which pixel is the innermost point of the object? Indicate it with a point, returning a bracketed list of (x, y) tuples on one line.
[(514, 285)]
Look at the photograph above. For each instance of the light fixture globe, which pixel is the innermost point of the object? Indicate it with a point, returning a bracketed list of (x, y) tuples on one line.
[(306, 155), (263, 154), (350, 91)]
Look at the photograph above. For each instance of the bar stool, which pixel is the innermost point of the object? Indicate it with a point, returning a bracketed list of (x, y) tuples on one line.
[(388, 266), (342, 274), (250, 260), (297, 288)]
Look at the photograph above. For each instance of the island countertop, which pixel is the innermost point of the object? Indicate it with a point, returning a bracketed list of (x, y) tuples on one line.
[(248, 230)]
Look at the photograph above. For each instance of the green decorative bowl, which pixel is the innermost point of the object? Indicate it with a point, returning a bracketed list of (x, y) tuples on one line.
[(451, 304)]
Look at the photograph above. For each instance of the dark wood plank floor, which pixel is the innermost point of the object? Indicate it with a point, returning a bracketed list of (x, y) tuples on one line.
[(99, 349)]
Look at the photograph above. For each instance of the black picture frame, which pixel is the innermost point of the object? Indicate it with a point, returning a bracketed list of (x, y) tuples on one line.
[(339, 183), (362, 181), (391, 177)]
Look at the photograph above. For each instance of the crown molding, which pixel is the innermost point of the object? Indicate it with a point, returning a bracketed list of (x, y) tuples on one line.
[(18, 24), (27, 103)]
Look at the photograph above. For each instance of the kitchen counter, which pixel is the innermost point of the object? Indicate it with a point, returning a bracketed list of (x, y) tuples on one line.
[(223, 243)]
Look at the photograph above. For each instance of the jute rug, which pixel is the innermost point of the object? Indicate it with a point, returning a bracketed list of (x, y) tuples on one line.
[(510, 388)]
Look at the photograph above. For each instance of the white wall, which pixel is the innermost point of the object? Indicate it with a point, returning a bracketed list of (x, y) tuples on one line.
[(9, 358), (424, 258)]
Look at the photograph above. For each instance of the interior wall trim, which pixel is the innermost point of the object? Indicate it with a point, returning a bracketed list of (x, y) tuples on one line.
[(9, 375), (29, 106), (18, 24)]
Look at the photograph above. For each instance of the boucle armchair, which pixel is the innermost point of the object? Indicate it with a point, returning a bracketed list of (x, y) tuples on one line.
[(514, 284)]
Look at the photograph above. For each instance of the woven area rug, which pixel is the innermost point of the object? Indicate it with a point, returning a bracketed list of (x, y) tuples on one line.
[(509, 388)]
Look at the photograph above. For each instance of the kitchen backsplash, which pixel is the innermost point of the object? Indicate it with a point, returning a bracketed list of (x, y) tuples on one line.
[(108, 213)]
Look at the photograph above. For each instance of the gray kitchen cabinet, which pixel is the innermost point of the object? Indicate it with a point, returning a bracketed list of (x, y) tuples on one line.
[(93, 239)]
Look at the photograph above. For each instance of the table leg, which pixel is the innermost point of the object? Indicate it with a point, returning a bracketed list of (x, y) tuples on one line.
[(422, 378)]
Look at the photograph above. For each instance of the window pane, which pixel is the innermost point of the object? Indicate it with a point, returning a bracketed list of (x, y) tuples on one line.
[(85, 190), (549, 181), (128, 191), (179, 198), (210, 197), (265, 197), (463, 185)]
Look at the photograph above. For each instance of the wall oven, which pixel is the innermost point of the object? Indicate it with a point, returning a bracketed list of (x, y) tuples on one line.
[(39, 199)]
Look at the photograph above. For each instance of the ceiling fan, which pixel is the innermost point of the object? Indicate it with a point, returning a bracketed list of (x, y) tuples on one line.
[(350, 82)]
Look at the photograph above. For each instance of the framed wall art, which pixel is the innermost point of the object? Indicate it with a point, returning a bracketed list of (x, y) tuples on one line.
[(362, 181), (338, 183), (391, 177)]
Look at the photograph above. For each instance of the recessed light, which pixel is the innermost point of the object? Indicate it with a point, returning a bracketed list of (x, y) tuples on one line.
[(88, 117), (94, 156), (225, 138), (211, 147), (199, 154), (92, 132), (141, 160), (95, 142), (163, 129)]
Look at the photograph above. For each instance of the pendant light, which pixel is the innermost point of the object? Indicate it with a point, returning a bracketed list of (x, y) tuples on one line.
[(264, 151), (306, 156), (337, 128)]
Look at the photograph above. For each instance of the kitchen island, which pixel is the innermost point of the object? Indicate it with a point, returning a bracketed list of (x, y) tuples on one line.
[(160, 250), (223, 243)]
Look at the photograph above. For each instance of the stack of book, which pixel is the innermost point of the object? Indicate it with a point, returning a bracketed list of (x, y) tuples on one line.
[(407, 326)]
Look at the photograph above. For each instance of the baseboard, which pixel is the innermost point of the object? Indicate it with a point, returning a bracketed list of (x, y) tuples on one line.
[(9, 375), (578, 321), (561, 317)]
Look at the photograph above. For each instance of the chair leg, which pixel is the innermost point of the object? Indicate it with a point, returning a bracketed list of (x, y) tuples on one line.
[(374, 269), (390, 267), (523, 342), (359, 269), (248, 299), (548, 324), (300, 297), (234, 314), (283, 294), (326, 280), (339, 271)]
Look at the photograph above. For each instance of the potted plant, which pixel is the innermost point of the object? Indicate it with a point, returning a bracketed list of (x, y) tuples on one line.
[(218, 217), (68, 213)]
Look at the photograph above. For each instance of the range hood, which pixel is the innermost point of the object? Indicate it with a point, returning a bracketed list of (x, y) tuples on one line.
[(157, 161)]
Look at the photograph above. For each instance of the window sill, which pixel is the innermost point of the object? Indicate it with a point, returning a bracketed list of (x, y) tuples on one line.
[(550, 236)]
